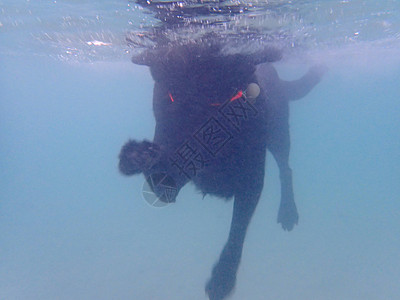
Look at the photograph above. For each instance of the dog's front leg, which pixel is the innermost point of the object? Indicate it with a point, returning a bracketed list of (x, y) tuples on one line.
[(223, 276)]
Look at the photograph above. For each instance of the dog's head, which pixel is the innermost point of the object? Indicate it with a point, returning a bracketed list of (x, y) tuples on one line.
[(191, 79), (201, 71)]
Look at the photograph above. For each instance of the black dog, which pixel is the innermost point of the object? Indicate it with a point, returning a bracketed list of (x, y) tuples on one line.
[(213, 129)]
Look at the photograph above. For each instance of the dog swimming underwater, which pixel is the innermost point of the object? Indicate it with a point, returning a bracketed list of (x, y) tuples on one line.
[(216, 115)]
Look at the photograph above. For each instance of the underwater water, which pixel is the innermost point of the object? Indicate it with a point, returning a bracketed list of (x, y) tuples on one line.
[(71, 227)]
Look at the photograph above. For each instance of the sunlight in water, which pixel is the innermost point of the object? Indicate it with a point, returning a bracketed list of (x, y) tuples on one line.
[(98, 43)]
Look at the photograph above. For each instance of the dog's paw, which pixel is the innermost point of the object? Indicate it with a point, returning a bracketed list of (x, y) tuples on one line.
[(220, 286), (288, 215)]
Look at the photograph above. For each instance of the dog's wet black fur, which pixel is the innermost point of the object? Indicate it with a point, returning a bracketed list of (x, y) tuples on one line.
[(208, 133)]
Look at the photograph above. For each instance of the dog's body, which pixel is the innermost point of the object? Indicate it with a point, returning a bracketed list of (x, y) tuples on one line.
[(209, 133)]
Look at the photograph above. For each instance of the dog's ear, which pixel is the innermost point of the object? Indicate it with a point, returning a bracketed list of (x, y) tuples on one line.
[(145, 58), (268, 54)]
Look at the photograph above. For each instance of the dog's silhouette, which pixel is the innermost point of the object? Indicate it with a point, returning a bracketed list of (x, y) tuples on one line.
[(214, 130)]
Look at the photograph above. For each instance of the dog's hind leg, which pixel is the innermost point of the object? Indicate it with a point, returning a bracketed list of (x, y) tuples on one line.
[(280, 148), (287, 214)]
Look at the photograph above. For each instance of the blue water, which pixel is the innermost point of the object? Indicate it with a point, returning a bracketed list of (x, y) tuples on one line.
[(71, 227)]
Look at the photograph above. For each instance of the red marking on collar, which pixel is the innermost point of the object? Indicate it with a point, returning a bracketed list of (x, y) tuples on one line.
[(237, 96), (170, 97)]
